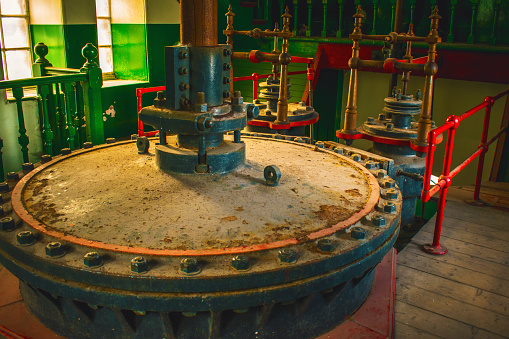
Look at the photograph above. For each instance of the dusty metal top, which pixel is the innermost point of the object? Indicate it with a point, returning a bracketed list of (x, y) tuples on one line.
[(115, 196)]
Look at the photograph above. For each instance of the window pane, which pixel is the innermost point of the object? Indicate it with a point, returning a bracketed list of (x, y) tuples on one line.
[(105, 59), (103, 32), (18, 64), (15, 32), (4, 69), (9, 7), (102, 7)]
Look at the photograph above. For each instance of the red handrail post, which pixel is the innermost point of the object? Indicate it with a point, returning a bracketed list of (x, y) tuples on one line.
[(255, 85), (487, 113), (444, 182), (139, 93)]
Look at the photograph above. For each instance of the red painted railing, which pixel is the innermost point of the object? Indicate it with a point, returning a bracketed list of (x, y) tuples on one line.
[(445, 179), (139, 94)]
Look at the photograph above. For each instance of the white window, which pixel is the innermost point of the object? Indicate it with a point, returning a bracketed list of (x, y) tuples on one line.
[(15, 39), (103, 11)]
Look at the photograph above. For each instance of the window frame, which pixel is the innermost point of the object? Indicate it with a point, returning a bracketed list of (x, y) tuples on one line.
[(106, 75), (3, 49)]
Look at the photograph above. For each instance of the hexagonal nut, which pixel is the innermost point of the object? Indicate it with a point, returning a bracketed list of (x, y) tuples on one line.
[(287, 256), (371, 120), (325, 245), (252, 111), (319, 144), (65, 151), (111, 140), (201, 168), (55, 249), (371, 165), (299, 140), (4, 187), (28, 166), (240, 263), (338, 150), (391, 194), (389, 207), (237, 100), (204, 123), (7, 224), (143, 144), (390, 126), (189, 265), (277, 136), (378, 220), (200, 108), (25, 238), (389, 183), (358, 233), (92, 259), (356, 157), (13, 176), (139, 265), (46, 158), (380, 174)]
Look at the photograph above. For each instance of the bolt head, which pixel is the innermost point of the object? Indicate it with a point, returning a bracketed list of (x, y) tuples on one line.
[(371, 120), (189, 265), (25, 238), (200, 108), (55, 250), (325, 245), (319, 144), (381, 116), (237, 100), (356, 157), (380, 174), (299, 140), (277, 136), (240, 263), (142, 144), (390, 126), (338, 150), (45, 158), (252, 111), (371, 165), (87, 145), (378, 220), (358, 233), (111, 140), (287, 256), (7, 224), (65, 151), (4, 187), (92, 259), (389, 183), (391, 194), (303, 103), (139, 265), (28, 167), (389, 207), (13, 176)]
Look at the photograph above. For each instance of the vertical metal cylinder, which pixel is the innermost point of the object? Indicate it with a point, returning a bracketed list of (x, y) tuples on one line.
[(198, 22)]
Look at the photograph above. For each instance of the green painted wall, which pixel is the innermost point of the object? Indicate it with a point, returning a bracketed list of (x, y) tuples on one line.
[(159, 36), (53, 37), (76, 37)]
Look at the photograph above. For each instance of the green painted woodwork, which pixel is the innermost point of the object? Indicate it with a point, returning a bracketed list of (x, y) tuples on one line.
[(325, 100), (77, 36), (129, 51), (159, 36), (53, 37)]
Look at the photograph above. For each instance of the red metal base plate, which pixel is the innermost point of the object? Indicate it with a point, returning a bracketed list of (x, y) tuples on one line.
[(440, 250), (373, 320)]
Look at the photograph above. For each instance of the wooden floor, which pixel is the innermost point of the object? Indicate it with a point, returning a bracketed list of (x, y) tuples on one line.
[(465, 293)]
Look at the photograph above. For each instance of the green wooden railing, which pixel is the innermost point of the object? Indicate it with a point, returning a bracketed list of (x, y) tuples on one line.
[(462, 21), (70, 109)]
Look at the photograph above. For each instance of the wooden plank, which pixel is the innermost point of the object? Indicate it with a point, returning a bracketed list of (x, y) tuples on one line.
[(430, 265), (453, 289), (480, 215), (463, 260), (448, 307), (431, 322), (465, 248), (467, 226), (455, 229), (499, 151), (402, 331)]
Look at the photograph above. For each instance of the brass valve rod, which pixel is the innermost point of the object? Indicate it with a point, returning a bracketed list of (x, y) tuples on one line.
[(379, 65), (256, 55), (284, 60)]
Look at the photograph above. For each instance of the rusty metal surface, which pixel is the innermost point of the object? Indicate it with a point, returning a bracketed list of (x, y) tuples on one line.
[(105, 196), (198, 22)]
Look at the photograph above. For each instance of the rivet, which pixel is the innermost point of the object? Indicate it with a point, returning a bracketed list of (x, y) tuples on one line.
[(45, 158), (227, 52), (28, 166), (65, 151), (325, 245), (87, 145), (182, 55), (240, 263), (7, 224), (378, 220), (55, 250), (111, 140), (183, 71), (189, 265), (25, 238), (358, 233), (139, 265), (389, 207), (92, 259), (183, 86), (287, 256), (13, 176)]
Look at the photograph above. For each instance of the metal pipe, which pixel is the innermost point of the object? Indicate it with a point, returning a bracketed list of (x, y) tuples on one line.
[(398, 17), (198, 22), (484, 139)]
